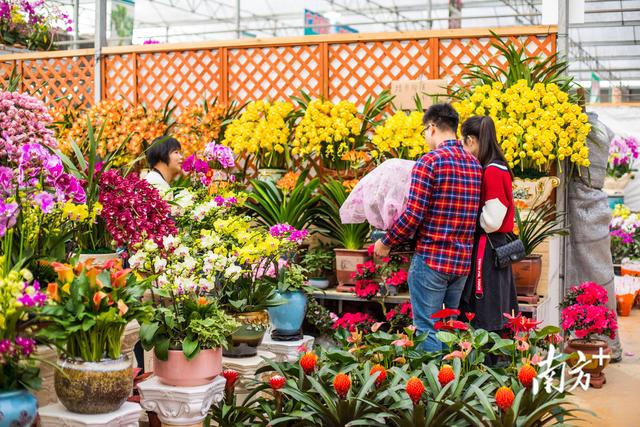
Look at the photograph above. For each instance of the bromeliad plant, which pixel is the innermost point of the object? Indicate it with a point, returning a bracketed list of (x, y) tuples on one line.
[(89, 306)]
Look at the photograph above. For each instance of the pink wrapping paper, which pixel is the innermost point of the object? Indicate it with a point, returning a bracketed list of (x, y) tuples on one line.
[(381, 196)]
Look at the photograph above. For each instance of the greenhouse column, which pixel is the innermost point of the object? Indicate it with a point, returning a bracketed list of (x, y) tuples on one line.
[(100, 40)]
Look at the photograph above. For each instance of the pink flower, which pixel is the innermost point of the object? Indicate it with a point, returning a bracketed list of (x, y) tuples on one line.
[(403, 341), (466, 346), (455, 355), (376, 326)]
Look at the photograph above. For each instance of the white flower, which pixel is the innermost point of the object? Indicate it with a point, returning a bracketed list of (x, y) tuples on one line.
[(169, 241), (150, 246), (181, 251), (207, 241), (189, 263), (233, 272), (162, 280), (136, 260), (159, 263)]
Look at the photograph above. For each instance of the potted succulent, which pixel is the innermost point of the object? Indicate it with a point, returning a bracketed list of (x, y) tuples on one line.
[(351, 238), (287, 318), (538, 225), (319, 262), (586, 319), (88, 309), (20, 302)]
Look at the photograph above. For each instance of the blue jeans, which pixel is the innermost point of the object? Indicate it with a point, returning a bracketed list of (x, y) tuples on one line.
[(429, 290)]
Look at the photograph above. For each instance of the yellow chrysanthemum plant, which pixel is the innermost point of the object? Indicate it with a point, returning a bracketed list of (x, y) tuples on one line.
[(263, 131), (401, 136), (336, 132), (538, 120)]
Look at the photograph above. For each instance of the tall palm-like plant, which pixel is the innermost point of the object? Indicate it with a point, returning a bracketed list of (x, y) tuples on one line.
[(538, 225), (350, 236)]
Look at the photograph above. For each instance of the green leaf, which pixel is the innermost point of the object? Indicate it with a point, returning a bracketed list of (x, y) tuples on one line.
[(190, 348), (161, 348)]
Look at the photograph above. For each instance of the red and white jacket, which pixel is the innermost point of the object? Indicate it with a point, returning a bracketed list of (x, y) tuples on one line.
[(496, 199)]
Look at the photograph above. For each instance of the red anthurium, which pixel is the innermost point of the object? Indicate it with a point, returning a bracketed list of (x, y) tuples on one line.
[(470, 316), (450, 325), (445, 313)]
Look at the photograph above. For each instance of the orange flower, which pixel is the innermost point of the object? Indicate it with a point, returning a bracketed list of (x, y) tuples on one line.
[(526, 375), (308, 362), (414, 389), (504, 398), (65, 272), (122, 307), (119, 278), (381, 376), (288, 181), (113, 263), (350, 184), (52, 291), (92, 275), (98, 297), (342, 384), (446, 375), (202, 301), (277, 381)]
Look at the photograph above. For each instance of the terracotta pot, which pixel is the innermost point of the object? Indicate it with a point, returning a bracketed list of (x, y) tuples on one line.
[(590, 349), (526, 274), (246, 339), (624, 304), (346, 261), (93, 387), (180, 372)]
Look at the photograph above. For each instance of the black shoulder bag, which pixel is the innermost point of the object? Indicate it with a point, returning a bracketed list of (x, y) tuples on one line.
[(507, 254)]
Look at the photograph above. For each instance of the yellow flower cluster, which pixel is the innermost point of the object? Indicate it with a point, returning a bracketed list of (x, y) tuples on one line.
[(261, 130), (327, 129), (621, 211), (401, 136), (80, 213), (143, 125), (248, 244), (535, 125), (196, 127)]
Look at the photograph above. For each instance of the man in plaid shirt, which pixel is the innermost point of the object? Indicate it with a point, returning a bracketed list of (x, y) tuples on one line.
[(441, 213)]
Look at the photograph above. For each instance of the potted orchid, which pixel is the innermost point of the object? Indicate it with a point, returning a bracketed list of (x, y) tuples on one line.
[(587, 320), (88, 309), (623, 152)]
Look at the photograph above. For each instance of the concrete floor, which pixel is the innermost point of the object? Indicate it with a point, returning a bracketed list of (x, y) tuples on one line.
[(618, 402)]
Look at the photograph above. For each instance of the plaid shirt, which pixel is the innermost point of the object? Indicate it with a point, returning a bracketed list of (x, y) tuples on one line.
[(442, 209)]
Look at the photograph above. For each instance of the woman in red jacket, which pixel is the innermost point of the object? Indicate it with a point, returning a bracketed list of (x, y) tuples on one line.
[(489, 291)]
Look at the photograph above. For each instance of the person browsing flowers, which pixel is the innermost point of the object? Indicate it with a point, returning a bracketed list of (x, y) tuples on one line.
[(441, 213)]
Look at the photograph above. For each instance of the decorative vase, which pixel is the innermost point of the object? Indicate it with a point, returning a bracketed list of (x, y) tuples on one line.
[(530, 193), (17, 408), (624, 304), (93, 387), (526, 274), (180, 372), (273, 175), (591, 350), (615, 186), (319, 283), (346, 261), (246, 339), (286, 319), (98, 259)]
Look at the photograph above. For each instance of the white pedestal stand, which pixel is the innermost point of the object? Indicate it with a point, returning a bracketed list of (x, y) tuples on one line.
[(246, 368), (285, 351), (56, 415)]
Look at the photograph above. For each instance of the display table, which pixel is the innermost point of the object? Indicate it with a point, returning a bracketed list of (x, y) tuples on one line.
[(180, 406), (56, 415), (246, 368), (285, 351)]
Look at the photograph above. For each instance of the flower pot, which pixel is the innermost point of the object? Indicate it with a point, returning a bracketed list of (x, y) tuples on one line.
[(180, 372), (287, 318), (590, 349), (17, 408), (346, 261), (98, 259), (93, 387), (624, 304), (526, 274), (319, 283), (530, 193), (273, 175), (615, 186), (246, 339), (392, 291)]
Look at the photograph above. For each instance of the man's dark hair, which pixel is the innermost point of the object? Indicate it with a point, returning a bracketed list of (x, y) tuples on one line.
[(443, 116), (160, 149)]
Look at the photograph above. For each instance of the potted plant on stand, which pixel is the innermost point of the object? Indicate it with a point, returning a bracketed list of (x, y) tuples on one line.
[(585, 318), (623, 151), (538, 225), (89, 307), (319, 262), (351, 238), (20, 302)]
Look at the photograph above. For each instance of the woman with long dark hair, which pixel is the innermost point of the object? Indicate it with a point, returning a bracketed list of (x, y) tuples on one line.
[(489, 291)]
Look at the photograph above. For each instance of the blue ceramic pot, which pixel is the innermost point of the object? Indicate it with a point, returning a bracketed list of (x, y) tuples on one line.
[(287, 318), (17, 408)]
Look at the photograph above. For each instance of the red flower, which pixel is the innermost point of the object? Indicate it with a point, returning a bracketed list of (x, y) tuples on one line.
[(231, 376), (504, 398), (342, 384), (351, 321), (414, 389), (520, 323), (381, 376), (277, 381), (470, 316), (308, 362), (370, 249), (526, 375), (450, 325), (366, 289), (398, 278), (445, 313), (446, 375)]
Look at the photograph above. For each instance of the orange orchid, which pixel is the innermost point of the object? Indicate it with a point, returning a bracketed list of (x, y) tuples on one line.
[(65, 272), (98, 297), (122, 307), (52, 291), (119, 278)]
